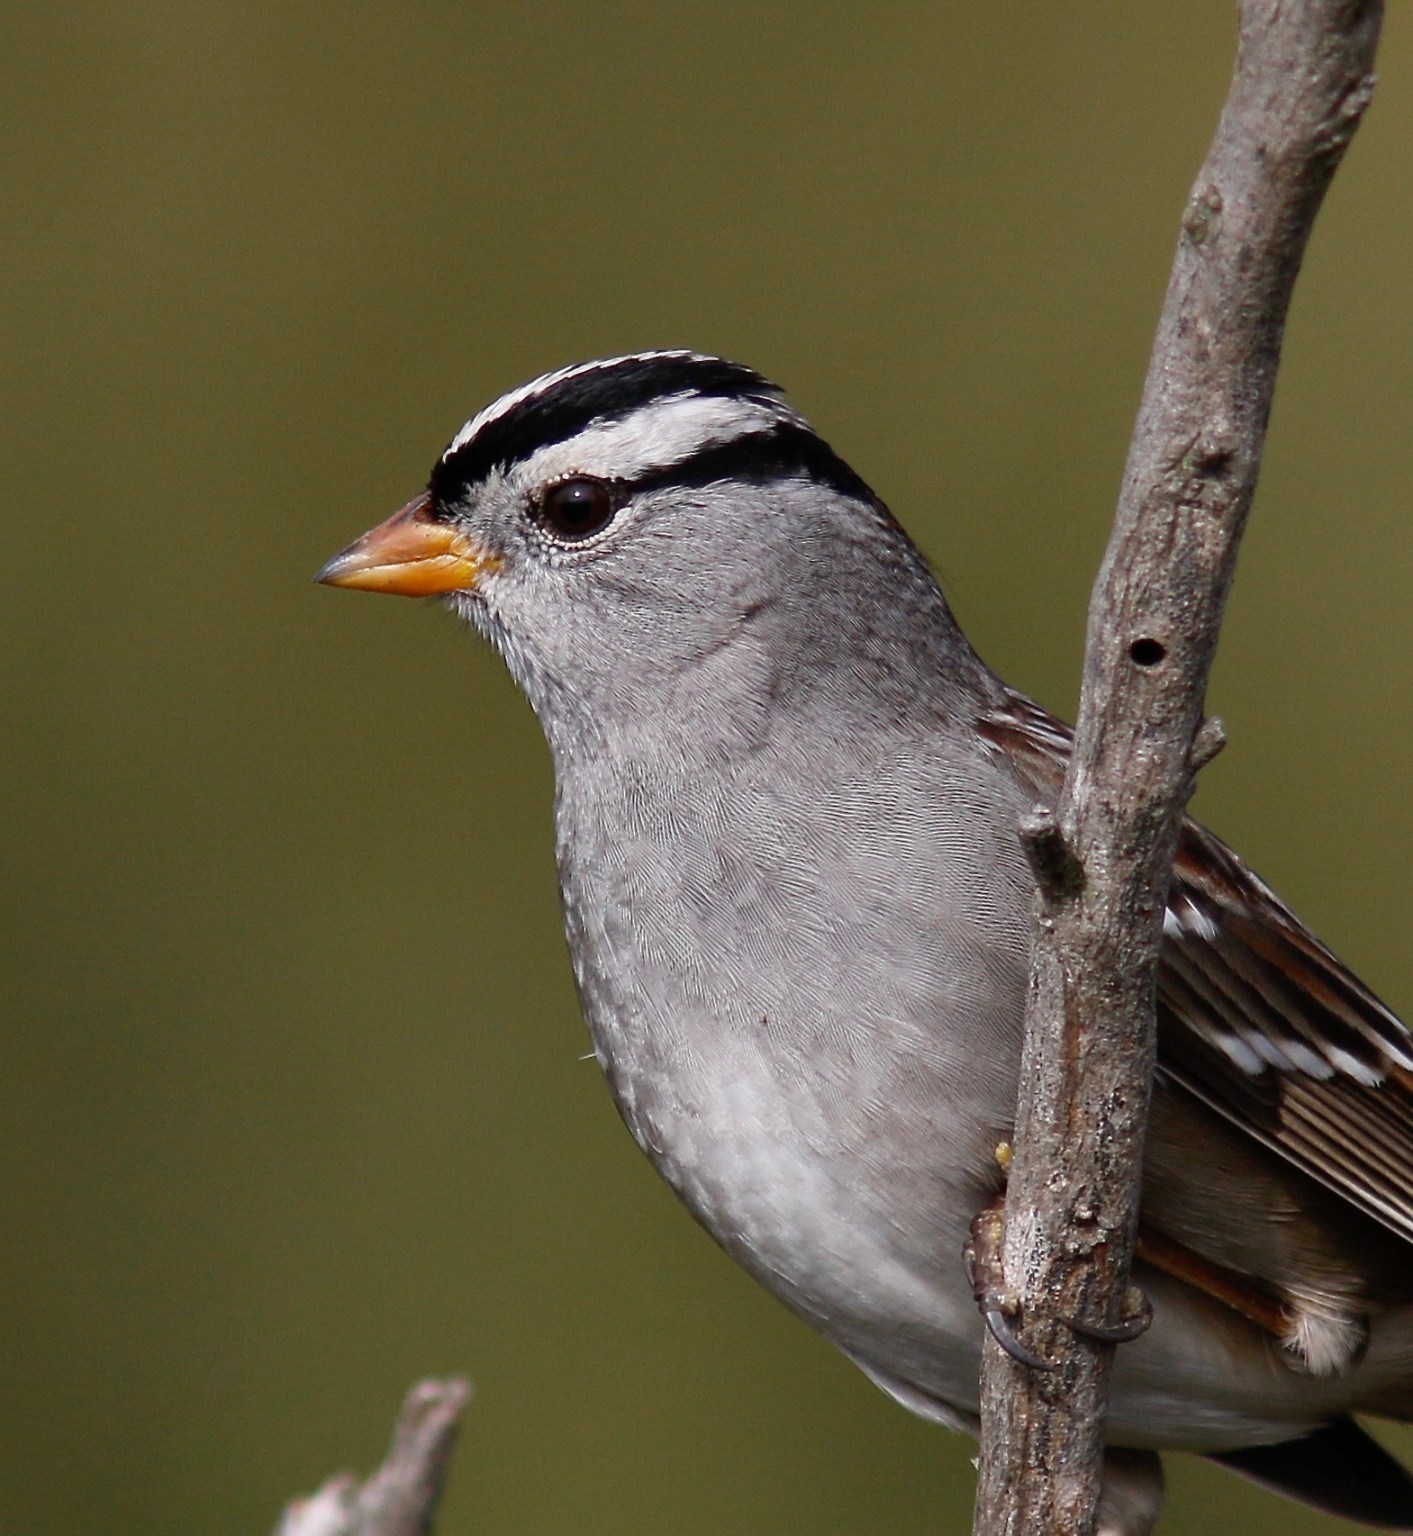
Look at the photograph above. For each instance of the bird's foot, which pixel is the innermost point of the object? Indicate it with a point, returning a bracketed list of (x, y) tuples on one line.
[(1000, 1307)]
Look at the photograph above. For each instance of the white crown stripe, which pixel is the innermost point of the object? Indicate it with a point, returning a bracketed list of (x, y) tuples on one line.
[(655, 437)]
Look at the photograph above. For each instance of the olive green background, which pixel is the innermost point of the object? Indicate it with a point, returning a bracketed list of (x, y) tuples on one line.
[(292, 1102)]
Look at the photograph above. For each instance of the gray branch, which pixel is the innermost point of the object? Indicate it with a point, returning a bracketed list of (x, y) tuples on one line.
[(399, 1498), (1104, 855)]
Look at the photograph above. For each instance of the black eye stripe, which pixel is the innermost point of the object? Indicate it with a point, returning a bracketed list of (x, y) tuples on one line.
[(577, 508), (783, 452)]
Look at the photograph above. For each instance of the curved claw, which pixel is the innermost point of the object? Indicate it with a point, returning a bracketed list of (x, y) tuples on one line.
[(999, 1326), (1119, 1333), (1125, 1331)]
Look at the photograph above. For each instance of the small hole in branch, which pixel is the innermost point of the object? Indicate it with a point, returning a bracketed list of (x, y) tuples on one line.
[(1147, 652)]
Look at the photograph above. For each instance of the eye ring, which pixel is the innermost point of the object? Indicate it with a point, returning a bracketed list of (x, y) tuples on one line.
[(574, 510)]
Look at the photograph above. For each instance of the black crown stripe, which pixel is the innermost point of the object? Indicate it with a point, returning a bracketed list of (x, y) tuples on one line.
[(601, 394)]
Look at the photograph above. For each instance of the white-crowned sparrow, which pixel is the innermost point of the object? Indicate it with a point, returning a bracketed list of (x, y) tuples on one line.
[(799, 917)]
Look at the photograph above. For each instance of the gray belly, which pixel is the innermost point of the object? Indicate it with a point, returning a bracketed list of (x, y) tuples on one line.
[(857, 1224)]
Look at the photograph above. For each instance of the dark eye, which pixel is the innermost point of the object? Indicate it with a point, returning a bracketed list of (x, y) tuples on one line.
[(575, 510)]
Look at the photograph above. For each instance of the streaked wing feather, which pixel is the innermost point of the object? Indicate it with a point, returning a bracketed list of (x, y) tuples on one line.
[(1256, 1017)]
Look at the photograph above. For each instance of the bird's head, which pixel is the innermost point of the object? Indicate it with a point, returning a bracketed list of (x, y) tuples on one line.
[(626, 520)]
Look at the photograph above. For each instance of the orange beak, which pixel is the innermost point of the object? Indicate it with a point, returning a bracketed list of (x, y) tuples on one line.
[(412, 554)]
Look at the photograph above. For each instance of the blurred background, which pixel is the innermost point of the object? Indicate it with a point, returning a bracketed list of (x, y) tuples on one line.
[(293, 1105)]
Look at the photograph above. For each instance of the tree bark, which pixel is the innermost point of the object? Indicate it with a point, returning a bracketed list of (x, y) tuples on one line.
[(1103, 855)]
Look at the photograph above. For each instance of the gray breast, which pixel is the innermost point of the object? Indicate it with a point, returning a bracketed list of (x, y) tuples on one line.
[(787, 970)]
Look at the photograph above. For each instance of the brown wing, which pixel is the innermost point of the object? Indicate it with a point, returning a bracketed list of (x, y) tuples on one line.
[(1256, 1017)]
